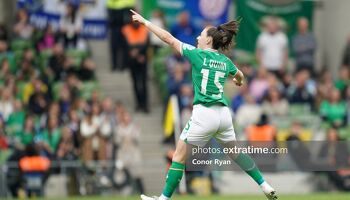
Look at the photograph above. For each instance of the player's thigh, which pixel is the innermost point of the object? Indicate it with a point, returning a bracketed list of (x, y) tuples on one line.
[(201, 127), (226, 132)]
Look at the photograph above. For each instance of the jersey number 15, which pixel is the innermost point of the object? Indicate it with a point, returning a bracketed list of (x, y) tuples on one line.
[(217, 83)]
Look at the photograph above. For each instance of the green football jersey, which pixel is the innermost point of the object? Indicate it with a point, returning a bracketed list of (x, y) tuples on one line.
[(209, 72)]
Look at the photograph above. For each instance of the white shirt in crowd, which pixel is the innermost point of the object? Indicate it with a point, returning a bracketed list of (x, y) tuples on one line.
[(272, 48), (154, 39), (70, 27), (6, 108)]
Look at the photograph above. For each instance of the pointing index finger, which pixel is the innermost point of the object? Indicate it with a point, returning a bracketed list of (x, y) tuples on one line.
[(131, 10)]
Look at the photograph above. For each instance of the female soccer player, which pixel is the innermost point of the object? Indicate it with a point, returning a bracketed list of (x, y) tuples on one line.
[(211, 116)]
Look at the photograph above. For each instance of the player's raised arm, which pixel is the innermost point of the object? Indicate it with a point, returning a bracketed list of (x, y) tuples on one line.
[(162, 34)]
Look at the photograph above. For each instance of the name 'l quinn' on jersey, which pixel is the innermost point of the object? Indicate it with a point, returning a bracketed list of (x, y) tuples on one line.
[(218, 65)]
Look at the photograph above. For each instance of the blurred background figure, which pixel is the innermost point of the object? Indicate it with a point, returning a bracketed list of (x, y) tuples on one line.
[(118, 16), (272, 48), (346, 53), (71, 26), (129, 153), (159, 20), (137, 40), (59, 100), (184, 30), (23, 29), (304, 47)]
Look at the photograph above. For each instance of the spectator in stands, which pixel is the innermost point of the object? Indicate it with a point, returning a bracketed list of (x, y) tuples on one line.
[(71, 26), (336, 155), (10, 82), (5, 69), (272, 48), (249, 113), (186, 96), (3, 32), (53, 111), (38, 101), (73, 84), (274, 83), (304, 46), (333, 110), (104, 131), (294, 132), (73, 124), (177, 60), (52, 135), (23, 29), (343, 78), (137, 41), (184, 30), (248, 71), (89, 130), (259, 84), (4, 48), (64, 102), (26, 71), (129, 153), (86, 71), (26, 135), (119, 109), (28, 56), (239, 99), (298, 92), (274, 105), (16, 119), (159, 20), (118, 16), (66, 149), (325, 84), (176, 80), (346, 53), (262, 131), (3, 139), (299, 151), (56, 62), (347, 100), (108, 122), (48, 39), (6, 103), (30, 87)]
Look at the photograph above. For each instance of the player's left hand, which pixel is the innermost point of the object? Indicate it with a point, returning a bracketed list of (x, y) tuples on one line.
[(238, 83)]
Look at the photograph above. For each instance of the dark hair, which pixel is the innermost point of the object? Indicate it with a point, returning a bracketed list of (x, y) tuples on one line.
[(223, 34)]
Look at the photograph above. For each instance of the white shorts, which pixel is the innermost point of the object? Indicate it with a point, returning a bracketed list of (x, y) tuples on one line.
[(208, 122)]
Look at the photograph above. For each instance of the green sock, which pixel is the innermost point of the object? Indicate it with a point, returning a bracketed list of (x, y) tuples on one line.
[(173, 179), (246, 163)]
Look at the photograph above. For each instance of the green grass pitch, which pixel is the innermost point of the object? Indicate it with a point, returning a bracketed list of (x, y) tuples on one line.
[(318, 196)]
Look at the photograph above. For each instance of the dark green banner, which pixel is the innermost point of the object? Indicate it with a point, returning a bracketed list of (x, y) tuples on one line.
[(253, 12)]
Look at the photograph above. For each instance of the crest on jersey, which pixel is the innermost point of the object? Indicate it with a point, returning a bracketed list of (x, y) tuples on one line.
[(187, 47)]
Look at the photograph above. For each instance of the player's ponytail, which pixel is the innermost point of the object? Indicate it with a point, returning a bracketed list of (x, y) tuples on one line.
[(223, 34)]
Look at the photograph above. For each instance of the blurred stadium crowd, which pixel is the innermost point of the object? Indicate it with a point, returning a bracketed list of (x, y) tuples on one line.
[(51, 105)]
